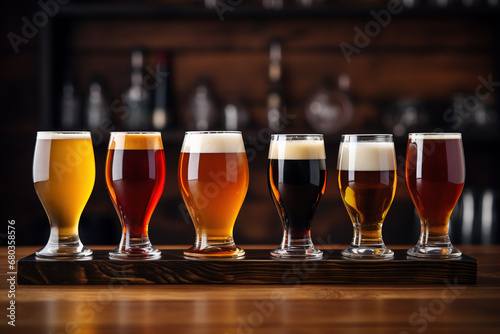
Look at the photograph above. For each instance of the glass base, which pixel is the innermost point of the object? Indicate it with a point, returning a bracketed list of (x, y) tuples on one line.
[(64, 250), (137, 252), (310, 252), (368, 252), (215, 251), (434, 251)]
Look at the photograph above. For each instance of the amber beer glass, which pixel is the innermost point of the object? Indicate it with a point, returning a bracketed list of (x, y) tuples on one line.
[(435, 176), (297, 181), (135, 176), (64, 175), (367, 181), (213, 180)]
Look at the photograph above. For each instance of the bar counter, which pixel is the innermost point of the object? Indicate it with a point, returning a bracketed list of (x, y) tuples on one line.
[(292, 308)]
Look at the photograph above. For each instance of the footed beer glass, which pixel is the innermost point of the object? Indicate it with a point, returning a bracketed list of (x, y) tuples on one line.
[(64, 175), (435, 176), (367, 181)]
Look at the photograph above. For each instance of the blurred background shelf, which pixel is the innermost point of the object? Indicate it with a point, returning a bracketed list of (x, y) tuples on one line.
[(426, 55)]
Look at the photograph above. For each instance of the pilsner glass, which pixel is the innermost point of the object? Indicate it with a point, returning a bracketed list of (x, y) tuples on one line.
[(213, 180), (64, 175), (367, 181), (297, 181), (135, 176), (435, 176)]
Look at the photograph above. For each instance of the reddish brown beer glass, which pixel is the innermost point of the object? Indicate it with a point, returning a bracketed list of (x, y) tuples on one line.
[(435, 175), (135, 176)]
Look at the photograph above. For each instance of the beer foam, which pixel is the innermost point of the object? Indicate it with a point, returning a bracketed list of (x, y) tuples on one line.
[(216, 142), (62, 135), (135, 141), (439, 136), (373, 156), (297, 149)]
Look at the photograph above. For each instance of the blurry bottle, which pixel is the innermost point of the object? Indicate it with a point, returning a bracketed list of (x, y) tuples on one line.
[(163, 111), (136, 97), (405, 116), (272, 4), (330, 109), (97, 108), (202, 110), (70, 105), (235, 116), (275, 94), (309, 3)]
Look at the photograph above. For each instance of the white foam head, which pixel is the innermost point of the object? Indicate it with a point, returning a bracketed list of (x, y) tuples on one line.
[(63, 135), (366, 156), (434, 136), (307, 149), (213, 142)]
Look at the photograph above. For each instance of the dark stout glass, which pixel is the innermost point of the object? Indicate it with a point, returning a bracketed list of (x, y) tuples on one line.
[(297, 181)]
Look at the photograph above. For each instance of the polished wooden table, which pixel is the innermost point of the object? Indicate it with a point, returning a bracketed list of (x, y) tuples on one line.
[(252, 309)]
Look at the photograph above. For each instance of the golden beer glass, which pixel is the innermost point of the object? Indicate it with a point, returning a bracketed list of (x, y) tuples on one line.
[(213, 180), (367, 181), (64, 175)]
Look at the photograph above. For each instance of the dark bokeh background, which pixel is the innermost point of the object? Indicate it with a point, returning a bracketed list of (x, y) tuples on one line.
[(425, 55)]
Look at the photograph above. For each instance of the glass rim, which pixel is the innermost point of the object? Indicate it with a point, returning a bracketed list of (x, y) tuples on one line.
[(63, 132), (297, 136), (452, 135), (212, 132), (368, 137), (135, 133)]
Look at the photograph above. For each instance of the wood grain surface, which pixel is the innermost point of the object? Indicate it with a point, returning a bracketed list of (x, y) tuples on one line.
[(257, 267), (296, 308)]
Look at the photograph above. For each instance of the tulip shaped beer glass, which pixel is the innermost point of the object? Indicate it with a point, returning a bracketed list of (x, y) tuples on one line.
[(297, 181), (367, 181), (213, 180), (435, 176), (64, 175), (135, 176)]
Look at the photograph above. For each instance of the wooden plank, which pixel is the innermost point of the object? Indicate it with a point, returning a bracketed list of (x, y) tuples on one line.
[(256, 268)]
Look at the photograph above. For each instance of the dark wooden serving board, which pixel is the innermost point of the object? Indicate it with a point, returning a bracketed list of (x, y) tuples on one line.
[(256, 268)]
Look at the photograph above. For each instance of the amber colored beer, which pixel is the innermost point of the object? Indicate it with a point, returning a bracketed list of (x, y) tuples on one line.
[(367, 197), (63, 175), (367, 182), (213, 180), (135, 176), (435, 176)]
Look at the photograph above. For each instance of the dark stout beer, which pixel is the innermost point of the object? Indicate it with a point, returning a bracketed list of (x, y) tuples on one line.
[(297, 181)]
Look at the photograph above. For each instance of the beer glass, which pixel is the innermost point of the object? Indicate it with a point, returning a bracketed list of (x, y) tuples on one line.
[(367, 181), (64, 175), (435, 176), (297, 181), (135, 176), (213, 180)]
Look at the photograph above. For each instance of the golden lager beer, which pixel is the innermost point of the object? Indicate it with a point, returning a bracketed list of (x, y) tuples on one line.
[(64, 175), (367, 181)]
